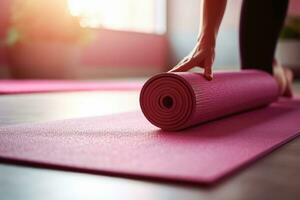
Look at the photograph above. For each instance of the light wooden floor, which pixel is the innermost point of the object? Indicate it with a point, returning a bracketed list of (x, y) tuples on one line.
[(276, 176)]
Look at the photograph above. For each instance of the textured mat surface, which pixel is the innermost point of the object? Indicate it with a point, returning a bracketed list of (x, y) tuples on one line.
[(174, 101), (128, 145), (41, 86)]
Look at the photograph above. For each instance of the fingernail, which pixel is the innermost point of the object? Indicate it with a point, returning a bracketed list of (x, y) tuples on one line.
[(209, 77)]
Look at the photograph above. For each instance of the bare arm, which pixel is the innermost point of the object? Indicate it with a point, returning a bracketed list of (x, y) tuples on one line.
[(204, 52)]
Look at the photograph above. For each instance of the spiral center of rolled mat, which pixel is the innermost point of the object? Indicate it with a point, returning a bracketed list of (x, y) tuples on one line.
[(168, 102)]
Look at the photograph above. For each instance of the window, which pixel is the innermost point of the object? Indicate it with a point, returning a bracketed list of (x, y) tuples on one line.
[(131, 15)]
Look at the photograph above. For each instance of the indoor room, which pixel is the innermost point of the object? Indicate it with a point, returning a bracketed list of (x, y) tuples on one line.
[(149, 99)]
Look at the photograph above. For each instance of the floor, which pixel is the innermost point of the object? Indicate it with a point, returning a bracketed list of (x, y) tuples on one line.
[(276, 176)]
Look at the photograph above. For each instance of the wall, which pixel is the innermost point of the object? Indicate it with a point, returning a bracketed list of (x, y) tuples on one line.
[(183, 17), (111, 49), (183, 23), (126, 49)]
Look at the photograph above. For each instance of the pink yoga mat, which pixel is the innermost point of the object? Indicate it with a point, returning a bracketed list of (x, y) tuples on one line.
[(42, 86), (128, 145), (174, 101)]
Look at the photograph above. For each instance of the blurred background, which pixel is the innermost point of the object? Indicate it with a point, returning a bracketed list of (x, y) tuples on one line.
[(94, 39)]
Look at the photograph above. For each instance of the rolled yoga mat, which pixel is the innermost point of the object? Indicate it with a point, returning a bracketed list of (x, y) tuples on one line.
[(174, 101)]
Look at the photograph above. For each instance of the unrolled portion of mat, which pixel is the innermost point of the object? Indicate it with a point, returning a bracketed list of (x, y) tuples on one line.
[(174, 101), (128, 145), (42, 86)]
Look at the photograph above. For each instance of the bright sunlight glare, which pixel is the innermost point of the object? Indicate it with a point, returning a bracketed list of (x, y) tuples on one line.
[(133, 15)]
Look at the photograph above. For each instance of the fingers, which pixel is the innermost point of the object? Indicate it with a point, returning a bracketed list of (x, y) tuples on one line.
[(198, 59), (189, 65), (183, 67), (208, 74)]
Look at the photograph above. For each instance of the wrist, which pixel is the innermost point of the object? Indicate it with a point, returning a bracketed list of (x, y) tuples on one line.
[(207, 40)]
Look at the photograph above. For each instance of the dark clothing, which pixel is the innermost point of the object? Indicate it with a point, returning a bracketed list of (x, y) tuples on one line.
[(260, 27)]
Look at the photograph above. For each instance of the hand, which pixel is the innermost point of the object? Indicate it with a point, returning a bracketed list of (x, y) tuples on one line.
[(201, 56)]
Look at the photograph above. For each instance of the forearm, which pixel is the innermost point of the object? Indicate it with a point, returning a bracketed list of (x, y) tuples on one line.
[(203, 54), (212, 12)]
